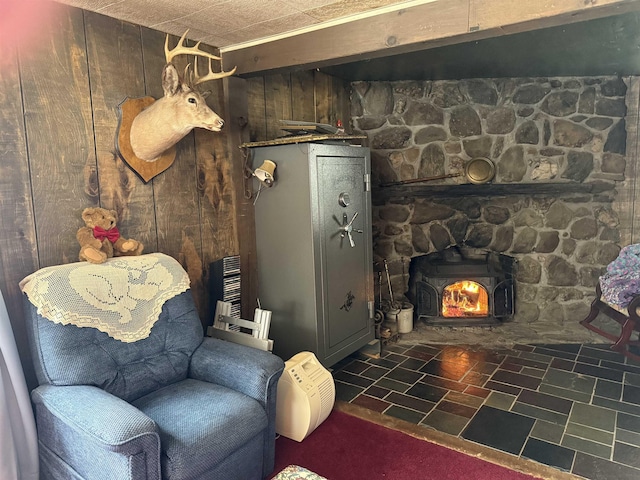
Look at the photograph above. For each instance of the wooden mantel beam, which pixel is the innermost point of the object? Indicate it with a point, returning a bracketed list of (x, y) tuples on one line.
[(421, 26)]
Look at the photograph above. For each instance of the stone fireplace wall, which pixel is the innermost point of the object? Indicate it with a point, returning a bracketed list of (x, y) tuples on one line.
[(567, 135)]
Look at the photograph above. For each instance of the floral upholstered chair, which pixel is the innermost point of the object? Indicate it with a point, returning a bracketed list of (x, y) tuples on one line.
[(618, 297), (129, 386)]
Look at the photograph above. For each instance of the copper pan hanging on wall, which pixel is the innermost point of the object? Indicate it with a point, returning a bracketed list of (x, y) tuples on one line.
[(478, 170)]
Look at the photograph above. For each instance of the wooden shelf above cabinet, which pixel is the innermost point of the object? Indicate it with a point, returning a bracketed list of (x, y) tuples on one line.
[(491, 189)]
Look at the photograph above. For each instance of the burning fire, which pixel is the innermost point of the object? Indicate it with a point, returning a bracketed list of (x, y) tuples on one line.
[(465, 299)]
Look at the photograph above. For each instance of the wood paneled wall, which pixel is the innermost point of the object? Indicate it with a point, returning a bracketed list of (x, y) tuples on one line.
[(58, 120), (309, 96)]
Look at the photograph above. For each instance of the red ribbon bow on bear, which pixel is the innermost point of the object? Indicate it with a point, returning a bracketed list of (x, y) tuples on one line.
[(112, 234)]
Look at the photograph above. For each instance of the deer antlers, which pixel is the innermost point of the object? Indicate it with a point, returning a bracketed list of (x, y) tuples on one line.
[(181, 49)]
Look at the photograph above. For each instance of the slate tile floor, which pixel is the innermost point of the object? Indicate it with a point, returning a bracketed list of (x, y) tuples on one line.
[(574, 407)]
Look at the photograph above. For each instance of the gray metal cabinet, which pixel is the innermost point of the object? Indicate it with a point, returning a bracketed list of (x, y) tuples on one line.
[(314, 258)]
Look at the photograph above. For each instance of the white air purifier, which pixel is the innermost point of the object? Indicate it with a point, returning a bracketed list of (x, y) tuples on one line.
[(306, 394)]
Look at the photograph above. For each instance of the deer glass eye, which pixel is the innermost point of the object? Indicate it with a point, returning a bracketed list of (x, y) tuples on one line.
[(192, 100)]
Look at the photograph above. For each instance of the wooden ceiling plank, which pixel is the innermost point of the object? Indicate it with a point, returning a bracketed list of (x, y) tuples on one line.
[(415, 28), (381, 33), (555, 16), (499, 13)]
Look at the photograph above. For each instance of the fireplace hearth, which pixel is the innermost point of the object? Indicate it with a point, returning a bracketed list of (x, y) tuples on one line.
[(463, 286)]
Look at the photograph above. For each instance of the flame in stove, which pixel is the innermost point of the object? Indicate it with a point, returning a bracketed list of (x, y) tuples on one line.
[(465, 299)]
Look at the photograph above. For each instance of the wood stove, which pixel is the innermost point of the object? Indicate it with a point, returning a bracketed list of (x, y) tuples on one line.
[(463, 286)]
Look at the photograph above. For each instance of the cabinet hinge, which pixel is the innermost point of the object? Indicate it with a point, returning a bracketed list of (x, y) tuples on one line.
[(372, 312), (367, 182)]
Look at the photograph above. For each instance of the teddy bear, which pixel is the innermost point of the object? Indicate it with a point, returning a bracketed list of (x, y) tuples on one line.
[(100, 238)]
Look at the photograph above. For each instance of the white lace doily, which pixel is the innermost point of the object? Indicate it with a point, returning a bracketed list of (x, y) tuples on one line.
[(122, 297)]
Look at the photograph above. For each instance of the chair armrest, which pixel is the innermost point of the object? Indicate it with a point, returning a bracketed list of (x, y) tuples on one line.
[(247, 370), (244, 369), (79, 422), (95, 415)]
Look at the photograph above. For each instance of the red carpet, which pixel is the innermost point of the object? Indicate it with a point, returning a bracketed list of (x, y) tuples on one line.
[(345, 447)]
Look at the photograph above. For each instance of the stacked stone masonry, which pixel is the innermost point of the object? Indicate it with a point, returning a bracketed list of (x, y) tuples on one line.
[(535, 130)]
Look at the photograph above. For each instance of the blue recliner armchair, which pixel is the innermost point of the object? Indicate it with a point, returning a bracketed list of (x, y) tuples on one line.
[(173, 405)]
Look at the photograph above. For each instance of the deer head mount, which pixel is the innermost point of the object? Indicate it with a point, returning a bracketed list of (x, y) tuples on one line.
[(149, 129)]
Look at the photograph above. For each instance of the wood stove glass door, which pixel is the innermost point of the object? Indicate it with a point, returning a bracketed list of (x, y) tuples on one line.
[(465, 298)]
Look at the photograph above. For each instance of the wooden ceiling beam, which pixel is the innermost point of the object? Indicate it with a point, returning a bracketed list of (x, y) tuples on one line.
[(419, 27)]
